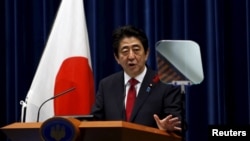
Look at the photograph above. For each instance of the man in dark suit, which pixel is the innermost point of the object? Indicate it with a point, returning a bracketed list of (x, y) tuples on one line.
[(156, 104)]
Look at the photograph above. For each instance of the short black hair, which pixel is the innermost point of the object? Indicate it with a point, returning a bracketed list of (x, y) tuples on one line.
[(128, 31)]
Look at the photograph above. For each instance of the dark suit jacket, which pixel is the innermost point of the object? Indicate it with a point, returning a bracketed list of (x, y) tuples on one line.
[(161, 99)]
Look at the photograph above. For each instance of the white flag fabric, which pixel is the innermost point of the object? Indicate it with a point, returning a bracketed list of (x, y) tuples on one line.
[(65, 64)]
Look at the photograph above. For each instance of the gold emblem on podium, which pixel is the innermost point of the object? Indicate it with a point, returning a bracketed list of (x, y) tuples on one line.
[(57, 132), (60, 129)]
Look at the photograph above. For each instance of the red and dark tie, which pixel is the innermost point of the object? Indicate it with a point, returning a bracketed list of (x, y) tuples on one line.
[(131, 98)]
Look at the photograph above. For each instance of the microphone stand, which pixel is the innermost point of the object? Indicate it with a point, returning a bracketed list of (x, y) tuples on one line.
[(183, 85), (57, 95)]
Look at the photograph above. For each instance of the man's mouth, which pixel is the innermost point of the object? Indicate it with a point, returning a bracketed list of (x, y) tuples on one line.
[(131, 64)]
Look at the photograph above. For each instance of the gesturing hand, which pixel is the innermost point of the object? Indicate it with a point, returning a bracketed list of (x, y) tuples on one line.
[(169, 123)]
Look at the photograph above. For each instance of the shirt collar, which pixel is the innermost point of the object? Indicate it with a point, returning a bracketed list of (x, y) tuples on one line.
[(138, 77)]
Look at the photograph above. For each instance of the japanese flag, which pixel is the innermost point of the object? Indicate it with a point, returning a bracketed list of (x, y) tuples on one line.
[(65, 64)]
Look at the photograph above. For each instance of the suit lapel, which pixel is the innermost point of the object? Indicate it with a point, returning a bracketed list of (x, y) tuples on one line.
[(143, 94), (119, 93)]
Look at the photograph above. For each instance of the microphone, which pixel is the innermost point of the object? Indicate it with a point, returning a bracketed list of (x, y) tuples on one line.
[(53, 97)]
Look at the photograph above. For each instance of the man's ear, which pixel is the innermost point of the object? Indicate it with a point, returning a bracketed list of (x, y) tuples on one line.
[(147, 54), (116, 58)]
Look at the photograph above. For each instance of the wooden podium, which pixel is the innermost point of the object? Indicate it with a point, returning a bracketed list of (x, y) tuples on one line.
[(93, 131)]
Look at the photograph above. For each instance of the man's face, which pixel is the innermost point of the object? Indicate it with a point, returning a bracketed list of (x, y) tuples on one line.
[(131, 56)]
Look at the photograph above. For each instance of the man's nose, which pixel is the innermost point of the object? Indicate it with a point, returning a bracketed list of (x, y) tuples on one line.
[(131, 54)]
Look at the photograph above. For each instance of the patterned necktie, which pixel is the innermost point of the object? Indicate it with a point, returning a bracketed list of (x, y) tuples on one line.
[(131, 98)]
